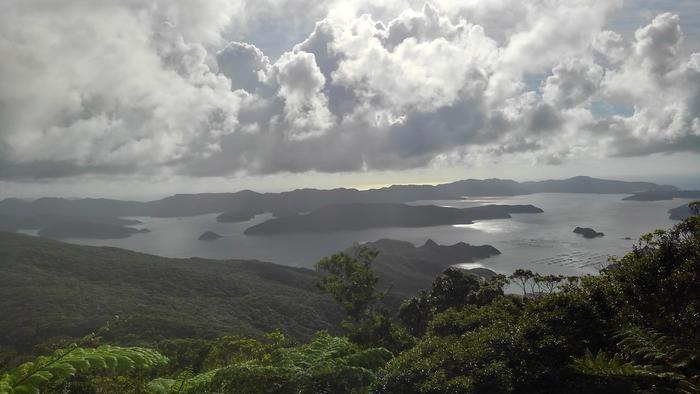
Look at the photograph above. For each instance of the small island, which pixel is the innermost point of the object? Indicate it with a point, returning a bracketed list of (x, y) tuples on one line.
[(588, 232), (209, 236)]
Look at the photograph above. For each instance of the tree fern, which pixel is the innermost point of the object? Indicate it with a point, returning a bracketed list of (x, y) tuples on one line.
[(31, 376), (645, 353), (653, 348), (185, 382), (602, 364), (326, 364)]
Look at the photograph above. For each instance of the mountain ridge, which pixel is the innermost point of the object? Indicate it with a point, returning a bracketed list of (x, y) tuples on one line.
[(17, 214)]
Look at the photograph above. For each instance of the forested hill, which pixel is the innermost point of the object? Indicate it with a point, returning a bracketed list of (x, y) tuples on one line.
[(50, 288)]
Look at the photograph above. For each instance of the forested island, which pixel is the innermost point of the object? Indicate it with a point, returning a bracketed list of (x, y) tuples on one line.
[(363, 216)]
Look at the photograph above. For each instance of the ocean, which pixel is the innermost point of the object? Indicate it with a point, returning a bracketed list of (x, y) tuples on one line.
[(542, 242)]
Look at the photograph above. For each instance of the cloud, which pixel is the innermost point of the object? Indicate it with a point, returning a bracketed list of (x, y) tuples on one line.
[(244, 64), (145, 87), (663, 85), (572, 84)]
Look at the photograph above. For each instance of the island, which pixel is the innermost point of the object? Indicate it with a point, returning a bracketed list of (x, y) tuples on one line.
[(684, 211), (79, 229), (588, 232), (663, 194), (209, 236), (360, 216), (406, 269)]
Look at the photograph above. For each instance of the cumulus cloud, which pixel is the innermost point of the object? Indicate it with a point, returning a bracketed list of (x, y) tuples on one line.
[(572, 84), (663, 85), (171, 86)]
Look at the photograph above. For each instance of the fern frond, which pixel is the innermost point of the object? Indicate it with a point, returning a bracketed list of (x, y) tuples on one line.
[(183, 384), (602, 364), (651, 347), (31, 376)]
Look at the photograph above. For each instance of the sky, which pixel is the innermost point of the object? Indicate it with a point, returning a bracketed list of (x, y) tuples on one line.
[(145, 98)]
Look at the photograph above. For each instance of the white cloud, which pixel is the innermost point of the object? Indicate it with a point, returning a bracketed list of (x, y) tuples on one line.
[(168, 86), (572, 83)]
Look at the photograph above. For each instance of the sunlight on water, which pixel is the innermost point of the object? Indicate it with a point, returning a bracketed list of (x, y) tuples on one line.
[(468, 266), (497, 226)]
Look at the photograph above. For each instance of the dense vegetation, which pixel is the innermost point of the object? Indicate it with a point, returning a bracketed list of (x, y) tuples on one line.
[(635, 327), (51, 290)]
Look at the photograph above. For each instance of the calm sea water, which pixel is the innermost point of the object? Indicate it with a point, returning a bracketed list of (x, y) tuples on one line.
[(541, 242)]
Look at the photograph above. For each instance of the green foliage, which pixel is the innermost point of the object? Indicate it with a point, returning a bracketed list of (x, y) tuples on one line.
[(654, 348), (184, 382), (603, 365), (471, 361), (657, 285), (379, 330), (453, 288), (327, 364), (351, 281), (184, 354), (229, 350), (648, 354), (50, 289), (522, 278), (64, 363), (539, 344)]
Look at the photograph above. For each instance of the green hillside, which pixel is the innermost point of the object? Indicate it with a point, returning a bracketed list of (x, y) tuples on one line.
[(50, 289)]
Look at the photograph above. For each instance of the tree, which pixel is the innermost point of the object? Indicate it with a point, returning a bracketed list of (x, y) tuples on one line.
[(351, 281), (415, 313), (522, 277), (547, 283), (453, 288)]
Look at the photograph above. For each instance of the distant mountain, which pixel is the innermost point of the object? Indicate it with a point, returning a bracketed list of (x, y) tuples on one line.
[(660, 195), (51, 289), (584, 184), (241, 206), (363, 216), (407, 269)]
